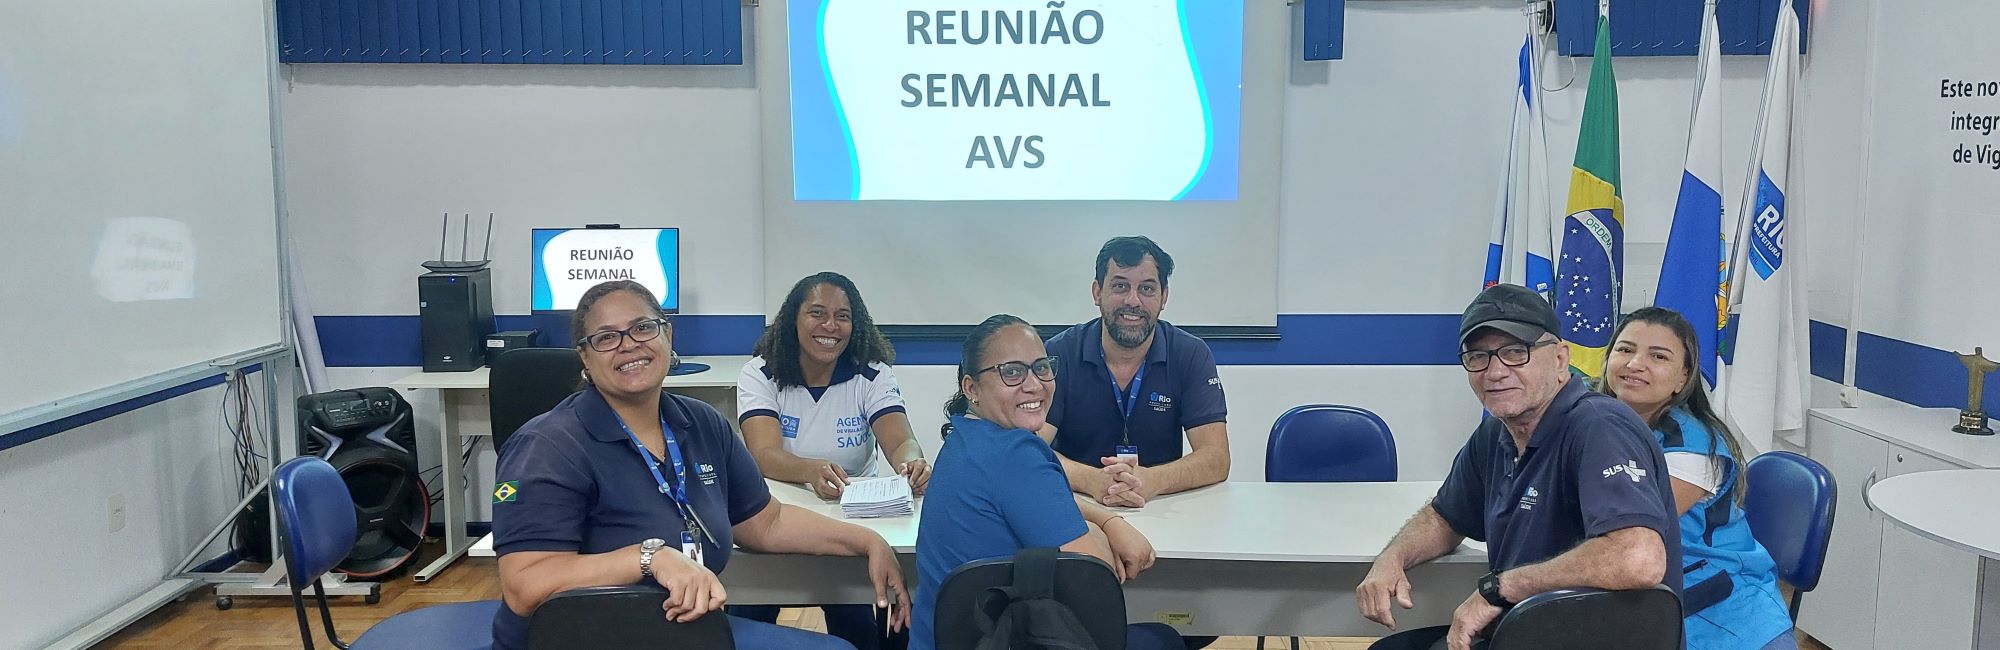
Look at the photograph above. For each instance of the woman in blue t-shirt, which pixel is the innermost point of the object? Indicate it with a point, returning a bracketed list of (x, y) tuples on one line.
[(998, 489), (1730, 595)]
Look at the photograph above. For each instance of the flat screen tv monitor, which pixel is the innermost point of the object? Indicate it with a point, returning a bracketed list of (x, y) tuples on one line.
[(569, 261)]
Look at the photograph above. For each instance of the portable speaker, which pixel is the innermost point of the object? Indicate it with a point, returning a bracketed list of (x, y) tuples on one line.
[(369, 436)]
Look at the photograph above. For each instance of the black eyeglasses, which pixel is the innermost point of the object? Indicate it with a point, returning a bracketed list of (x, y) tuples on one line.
[(1012, 373), (640, 332), (1514, 356)]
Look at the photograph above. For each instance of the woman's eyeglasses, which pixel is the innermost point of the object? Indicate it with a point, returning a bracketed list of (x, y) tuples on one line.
[(1012, 373), (641, 332)]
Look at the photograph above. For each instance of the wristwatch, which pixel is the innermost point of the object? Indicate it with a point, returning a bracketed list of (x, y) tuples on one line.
[(646, 550), (1489, 587)]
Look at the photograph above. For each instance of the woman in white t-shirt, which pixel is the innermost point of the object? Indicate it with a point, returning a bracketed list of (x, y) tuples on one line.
[(817, 403)]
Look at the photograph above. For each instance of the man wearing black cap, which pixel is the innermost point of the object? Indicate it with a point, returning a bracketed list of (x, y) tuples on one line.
[(1566, 486)]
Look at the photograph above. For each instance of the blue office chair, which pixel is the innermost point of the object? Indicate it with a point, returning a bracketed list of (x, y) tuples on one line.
[(1324, 443), (1587, 619), (316, 514), (1790, 509)]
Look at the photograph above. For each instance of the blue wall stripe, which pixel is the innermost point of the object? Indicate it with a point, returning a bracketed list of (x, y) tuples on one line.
[(1899, 370), (1827, 345), (387, 341), (1305, 339), (54, 427)]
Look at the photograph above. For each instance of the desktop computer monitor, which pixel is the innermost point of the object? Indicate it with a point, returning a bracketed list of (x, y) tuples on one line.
[(569, 261)]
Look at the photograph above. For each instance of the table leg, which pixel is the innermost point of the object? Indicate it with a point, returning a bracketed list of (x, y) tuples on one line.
[(450, 447)]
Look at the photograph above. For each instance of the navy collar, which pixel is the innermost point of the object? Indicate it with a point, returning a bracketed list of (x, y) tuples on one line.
[(1554, 417), (1093, 344), (602, 421), (843, 370)]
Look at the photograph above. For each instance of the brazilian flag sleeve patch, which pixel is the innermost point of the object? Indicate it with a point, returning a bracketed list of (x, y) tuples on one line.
[(506, 492)]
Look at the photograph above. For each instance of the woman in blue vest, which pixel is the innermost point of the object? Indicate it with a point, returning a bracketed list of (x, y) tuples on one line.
[(1730, 595), (998, 488)]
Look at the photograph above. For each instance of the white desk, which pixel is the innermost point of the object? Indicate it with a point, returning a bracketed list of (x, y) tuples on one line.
[(1952, 507), (462, 398), (1234, 559), (1955, 508)]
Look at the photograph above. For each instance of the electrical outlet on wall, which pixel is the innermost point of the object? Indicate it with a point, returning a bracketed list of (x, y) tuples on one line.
[(116, 507)]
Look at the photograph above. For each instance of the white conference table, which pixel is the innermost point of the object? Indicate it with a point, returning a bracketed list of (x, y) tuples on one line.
[(1234, 559), (462, 413), (1954, 508)]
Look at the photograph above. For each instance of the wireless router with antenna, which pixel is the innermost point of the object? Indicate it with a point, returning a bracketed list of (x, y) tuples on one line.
[(462, 263)]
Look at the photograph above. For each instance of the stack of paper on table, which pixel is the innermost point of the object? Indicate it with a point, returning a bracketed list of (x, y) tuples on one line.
[(887, 496)]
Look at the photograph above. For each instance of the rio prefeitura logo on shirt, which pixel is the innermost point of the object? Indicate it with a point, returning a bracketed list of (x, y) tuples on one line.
[(506, 492)]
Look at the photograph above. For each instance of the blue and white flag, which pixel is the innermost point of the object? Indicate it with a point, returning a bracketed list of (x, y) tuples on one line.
[(1523, 241), (1764, 389), (1693, 280)]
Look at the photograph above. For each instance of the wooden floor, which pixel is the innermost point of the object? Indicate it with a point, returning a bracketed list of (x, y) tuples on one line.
[(270, 623)]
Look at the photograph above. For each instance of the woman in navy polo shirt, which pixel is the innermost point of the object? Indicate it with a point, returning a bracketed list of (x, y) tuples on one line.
[(1730, 583), (998, 488), (815, 403), (622, 483)]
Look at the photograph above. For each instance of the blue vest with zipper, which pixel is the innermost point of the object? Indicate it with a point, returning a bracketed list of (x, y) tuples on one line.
[(1730, 584)]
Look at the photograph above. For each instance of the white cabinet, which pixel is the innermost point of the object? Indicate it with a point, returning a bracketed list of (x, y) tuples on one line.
[(1883, 586), (1929, 593), (1841, 612)]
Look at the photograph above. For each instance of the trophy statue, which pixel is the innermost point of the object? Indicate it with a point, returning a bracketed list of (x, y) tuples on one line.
[(1972, 420)]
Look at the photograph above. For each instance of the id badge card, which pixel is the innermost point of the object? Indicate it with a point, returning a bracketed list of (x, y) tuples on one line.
[(1128, 454), (690, 547)]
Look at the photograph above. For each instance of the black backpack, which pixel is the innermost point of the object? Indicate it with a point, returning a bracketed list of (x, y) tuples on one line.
[(1029, 617)]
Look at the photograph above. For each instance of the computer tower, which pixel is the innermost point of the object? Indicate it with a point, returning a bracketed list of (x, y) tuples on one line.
[(369, 436), (456, 310)]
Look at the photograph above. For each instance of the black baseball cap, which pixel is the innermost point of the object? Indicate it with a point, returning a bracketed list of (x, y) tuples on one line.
[(1513, 309)]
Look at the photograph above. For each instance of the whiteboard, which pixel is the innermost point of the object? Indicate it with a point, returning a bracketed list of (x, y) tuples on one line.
[(137, 192)]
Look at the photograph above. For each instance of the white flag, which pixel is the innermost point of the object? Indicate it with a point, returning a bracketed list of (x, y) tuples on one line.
[(1523, 239), (1764, 392)]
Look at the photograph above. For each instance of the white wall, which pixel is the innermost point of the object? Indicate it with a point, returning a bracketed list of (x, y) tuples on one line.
[(374, 154), (1388, 176), (64, 565)]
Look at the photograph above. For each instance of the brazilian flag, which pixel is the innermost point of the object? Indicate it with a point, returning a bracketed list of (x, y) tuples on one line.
[(1591, 267)]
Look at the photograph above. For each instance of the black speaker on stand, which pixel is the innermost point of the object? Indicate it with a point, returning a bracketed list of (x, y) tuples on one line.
[(369, 436)]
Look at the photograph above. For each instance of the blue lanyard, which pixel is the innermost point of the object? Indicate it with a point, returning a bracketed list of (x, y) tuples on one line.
[(678, 490), (1125, 399)]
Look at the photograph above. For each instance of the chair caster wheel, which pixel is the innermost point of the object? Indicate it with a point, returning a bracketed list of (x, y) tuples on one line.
[(224, 603), (372, 598)]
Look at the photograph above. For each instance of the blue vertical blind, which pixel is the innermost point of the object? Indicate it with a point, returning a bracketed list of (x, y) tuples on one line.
[(613, 32), (1671, 27), (1324, 22)]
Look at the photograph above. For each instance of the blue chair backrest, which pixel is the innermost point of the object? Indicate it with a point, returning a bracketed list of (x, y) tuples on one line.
[(1790, 509), (1323, 443), (316, 513)]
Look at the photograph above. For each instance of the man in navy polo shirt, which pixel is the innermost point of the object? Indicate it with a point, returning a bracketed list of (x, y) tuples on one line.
[(1133, 386), (1567, 488)]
